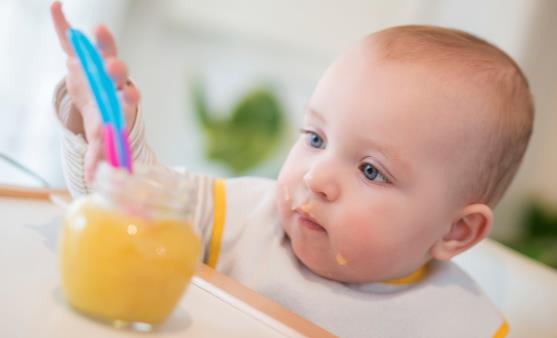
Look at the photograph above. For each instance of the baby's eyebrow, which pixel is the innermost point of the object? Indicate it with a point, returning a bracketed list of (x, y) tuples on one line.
[(385, 150), (314, 113)]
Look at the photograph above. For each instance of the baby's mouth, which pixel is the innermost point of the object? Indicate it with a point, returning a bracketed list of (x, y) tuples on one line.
[(305, 219), (302, 211)]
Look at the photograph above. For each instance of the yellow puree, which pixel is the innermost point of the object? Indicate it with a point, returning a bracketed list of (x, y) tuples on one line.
[(119, 267)]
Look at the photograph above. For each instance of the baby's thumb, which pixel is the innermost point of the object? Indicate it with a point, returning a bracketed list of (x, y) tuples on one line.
[(94, 155)]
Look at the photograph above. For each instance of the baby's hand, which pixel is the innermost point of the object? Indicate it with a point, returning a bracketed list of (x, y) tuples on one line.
[(81, 96)]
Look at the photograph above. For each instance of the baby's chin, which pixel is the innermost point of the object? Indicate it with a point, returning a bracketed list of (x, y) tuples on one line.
[(315, 264)]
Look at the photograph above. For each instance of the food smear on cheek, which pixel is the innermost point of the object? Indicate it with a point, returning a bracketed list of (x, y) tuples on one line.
[(286, 193)]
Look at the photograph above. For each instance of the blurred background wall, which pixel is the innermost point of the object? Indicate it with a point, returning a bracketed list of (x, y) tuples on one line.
[(232, 46)]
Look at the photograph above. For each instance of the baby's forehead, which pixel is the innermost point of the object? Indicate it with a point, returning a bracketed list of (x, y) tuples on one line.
[(438, 63), (466, 79), (400, 82), (385, 98), (453, 72)]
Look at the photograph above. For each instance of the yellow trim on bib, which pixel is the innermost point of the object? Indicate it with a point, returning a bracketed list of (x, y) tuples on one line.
[(416, 276), (502, 331), (219, 200)]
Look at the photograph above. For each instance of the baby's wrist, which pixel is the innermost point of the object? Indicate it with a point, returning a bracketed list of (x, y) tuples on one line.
[(72, 120), (66, 112), (133, 119)]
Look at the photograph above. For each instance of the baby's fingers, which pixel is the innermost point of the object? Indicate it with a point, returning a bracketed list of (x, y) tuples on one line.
[(61, 25), (118, 72), (127, 92), (105, 42), (131, 95)]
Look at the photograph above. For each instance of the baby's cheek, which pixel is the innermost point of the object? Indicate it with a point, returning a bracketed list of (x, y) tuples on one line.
[(284, 206), (354, 238)]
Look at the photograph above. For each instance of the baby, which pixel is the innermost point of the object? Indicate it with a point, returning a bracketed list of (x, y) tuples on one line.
[(409, 141)]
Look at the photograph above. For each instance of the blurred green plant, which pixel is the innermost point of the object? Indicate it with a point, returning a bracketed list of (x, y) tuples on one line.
[(539, 238), (246, 136)]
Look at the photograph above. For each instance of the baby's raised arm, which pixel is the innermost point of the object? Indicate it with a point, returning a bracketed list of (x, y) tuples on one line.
[(82, 139), (83, 117)]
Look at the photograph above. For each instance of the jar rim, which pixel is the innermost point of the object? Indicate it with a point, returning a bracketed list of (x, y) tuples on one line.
[(151, 187)]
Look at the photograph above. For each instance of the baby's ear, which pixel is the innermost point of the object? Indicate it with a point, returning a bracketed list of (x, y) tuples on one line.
[(471, 225)]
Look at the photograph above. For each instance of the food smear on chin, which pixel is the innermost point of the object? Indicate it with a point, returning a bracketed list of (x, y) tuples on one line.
[(341, 260)]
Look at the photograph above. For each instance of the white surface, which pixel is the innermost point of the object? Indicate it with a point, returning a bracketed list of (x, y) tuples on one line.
[(32, 306), (524, 290)]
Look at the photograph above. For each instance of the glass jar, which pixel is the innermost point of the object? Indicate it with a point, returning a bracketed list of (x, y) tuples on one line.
[(129, 249)]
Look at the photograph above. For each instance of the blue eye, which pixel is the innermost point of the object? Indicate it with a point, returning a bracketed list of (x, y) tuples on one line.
[(313, 139), (371, 173)]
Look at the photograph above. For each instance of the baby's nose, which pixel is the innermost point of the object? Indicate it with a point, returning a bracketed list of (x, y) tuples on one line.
[(323, 184)]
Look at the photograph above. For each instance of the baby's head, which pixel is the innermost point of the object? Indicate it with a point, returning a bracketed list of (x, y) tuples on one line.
[(409, 140)]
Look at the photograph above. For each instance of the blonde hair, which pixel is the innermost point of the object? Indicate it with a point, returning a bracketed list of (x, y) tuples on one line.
[(503, 80)]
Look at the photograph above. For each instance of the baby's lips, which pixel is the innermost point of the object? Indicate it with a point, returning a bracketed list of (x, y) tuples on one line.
[(305, 214)]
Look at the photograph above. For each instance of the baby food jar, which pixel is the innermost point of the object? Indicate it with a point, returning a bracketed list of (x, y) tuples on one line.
[(129, 249)]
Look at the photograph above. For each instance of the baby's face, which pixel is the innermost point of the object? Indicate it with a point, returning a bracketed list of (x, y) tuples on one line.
[(366, 190)]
